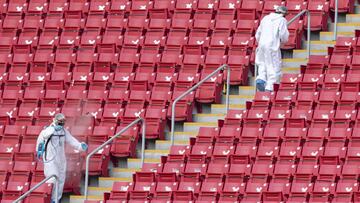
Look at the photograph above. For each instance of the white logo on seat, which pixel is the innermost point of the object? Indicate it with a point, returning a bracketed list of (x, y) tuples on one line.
[(314, 153), (101, 7), (125, 78), (336, 80), (9, 149), (28, 41), (135, 42), (210, 6), (245, 43), (231, 5), (181, 151), (293, 79), (304, 189), (41, 77), (168, 78), (348, 189), (226, 152), (188, 5), (10, 113), (156, 41), (292, 153), (325, 189), (91, 41), (105, 77), (83, 77), (199, 42), (190, 78), (30, 113), (124, 188), (19, 8), (258, 189), (320, 7)]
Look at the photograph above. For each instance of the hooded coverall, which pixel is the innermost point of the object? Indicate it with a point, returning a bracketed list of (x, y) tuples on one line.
[(270, 34), (55, 160)]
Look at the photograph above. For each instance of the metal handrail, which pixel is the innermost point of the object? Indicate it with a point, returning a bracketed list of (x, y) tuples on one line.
[(336, 18), (307, 12), (225, 66), (108, 142), (38, 185)]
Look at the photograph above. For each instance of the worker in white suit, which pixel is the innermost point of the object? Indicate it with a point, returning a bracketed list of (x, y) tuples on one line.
[(271, 33), (50, 149)]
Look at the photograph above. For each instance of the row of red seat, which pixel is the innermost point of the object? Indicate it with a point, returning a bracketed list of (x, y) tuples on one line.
[(135, 5)]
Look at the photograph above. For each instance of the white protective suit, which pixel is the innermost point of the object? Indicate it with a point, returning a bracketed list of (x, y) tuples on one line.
[(270, 34), (55, 161)]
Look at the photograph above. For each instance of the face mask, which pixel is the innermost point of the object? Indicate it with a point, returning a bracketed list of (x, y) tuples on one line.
[(58, 127)]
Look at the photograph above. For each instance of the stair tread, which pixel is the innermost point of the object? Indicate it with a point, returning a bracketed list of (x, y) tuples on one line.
[(312, 51), (116, 179), (146, 160), (209, 114), (175, 142), (200, 123), (93, 197), (126, 169), (339, 33), (157, 151), (231, 106), (100, 188), (294, 60)]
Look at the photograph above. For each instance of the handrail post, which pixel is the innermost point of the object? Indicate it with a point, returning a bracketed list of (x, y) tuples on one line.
[(308, 33), (336, 19), (38, 185), (225, 66), (102, 146), (143, 127)]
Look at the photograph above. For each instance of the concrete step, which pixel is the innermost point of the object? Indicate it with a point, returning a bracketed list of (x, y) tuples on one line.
[(136, 163), (221, 108), (294, 62), (123, 172), (166, 144), (246, 90), (319, 45), (194, 126), (345, 27), (81, 199), (98, 191), (108, 181), (291, 70), (205, 117), (302, 53), (353, 18), (329, 36), (181, 136), (238, 99), (155, 153)]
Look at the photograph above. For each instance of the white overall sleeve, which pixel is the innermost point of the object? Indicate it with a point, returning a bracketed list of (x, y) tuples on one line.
[(283, 31), (72, 140), (44, 135), (258, 32)]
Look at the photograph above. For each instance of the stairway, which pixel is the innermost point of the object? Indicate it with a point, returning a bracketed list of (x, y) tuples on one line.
[(211, 113)]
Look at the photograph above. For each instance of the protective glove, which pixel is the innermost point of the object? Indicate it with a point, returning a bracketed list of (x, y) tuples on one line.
[(40, 150), (84, 146)]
